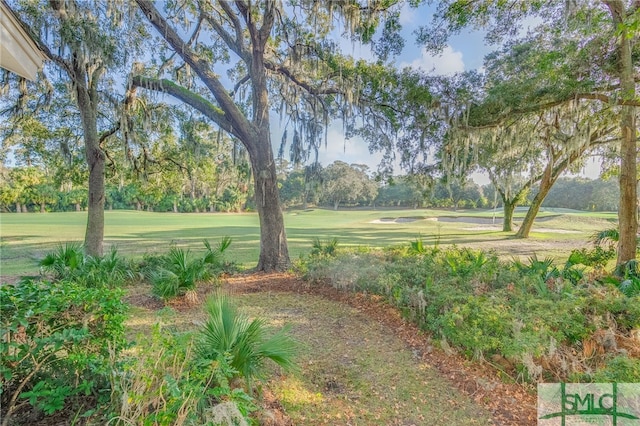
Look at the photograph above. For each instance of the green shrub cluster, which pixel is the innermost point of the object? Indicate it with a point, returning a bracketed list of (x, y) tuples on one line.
[(69, 262), (178, 272), (58, 340), (532, 319)]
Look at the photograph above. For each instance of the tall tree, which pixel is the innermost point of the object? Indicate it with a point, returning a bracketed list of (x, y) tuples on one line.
[(82, 40), (347, 183), (605, 36), (271, 49)]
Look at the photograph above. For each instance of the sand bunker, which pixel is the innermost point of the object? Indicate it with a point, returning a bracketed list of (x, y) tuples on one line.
[(395, 220), (499, 228), (486, 223)]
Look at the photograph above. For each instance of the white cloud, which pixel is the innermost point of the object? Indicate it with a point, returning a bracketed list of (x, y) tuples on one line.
[(448, 62), (408, 15), (350, 151)]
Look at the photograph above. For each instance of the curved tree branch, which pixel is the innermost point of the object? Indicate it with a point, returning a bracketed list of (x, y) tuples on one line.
[(232, 118), (190, 98)]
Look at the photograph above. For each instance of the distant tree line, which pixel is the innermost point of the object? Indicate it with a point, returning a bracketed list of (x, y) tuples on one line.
[(229, 189)]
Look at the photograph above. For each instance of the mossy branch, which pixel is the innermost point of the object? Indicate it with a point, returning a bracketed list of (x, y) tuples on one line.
[(185, 95)]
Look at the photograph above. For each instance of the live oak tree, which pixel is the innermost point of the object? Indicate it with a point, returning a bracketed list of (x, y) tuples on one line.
[(347, 183), (84, 41), (605, 36), (237, 61)]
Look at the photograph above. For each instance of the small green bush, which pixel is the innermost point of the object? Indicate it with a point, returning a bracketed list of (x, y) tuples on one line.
[(227, 332), (68, 262), (324, 248), (178, 272), (162, 383)]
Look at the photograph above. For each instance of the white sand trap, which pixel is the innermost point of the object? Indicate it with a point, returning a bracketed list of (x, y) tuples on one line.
[(499, 228), (396, 220)]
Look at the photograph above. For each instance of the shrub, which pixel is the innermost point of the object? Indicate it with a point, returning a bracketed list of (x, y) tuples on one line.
[(597, 257), (229, 332), (57, 338), (163, 384), (533, 314), (617, 369), (324, 248), (65, 261), (69, 262), (178, 272)]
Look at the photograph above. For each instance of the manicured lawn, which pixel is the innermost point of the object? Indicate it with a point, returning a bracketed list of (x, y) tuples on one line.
[(25, 238)]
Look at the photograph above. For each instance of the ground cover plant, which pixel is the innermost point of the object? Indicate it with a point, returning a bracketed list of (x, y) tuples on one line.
[(533, 320), (58, 338)]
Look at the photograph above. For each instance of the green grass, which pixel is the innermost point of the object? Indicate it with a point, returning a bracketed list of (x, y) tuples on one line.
[(25, 238)]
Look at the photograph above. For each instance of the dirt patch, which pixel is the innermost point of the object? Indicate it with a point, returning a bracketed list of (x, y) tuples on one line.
[(508, 404)]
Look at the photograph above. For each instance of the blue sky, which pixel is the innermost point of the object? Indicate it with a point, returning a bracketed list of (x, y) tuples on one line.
[(464, 52)]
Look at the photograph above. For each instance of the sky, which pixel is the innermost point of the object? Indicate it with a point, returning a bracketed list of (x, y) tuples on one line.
[(465, 52)]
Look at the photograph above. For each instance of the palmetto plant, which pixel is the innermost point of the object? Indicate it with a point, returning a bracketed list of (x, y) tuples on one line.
[(213, 256), (64, 261), (325, 248), (230, 333), (544, 268), (178, 275), (609, 236)]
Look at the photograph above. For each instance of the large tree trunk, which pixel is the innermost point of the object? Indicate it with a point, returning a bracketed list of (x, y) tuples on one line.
[(94, 234), (274, 254), (508, 207), (43, 208), (18, 207), (627, 214)]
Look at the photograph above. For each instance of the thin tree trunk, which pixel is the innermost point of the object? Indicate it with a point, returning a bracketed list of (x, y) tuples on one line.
[(18, 207), (43, 208)]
